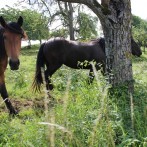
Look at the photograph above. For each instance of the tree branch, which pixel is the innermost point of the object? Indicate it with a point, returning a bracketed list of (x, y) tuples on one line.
[(76, 1), (94, 5), (46, 7)]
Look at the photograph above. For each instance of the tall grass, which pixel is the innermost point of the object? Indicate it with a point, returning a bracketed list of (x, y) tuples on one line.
[(80, 115)]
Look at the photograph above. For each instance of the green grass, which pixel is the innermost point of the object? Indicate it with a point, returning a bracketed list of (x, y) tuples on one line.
[(82, 115)]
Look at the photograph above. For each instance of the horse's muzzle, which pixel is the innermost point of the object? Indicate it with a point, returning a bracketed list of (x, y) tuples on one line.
[(14, 65)]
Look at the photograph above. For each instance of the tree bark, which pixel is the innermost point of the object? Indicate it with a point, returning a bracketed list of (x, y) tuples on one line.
[(117, 32)]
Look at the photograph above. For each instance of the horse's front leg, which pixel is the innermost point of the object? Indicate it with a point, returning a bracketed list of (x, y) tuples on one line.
[(4, 94)]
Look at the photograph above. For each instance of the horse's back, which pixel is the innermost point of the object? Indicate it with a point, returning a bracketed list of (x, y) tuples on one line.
[(54, 50), (70, 53)]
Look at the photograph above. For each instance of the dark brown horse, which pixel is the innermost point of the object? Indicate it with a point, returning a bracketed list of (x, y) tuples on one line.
[(58, 51), (10, 44)]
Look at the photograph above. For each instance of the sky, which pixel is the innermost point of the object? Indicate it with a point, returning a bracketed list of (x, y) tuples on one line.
[(139, 7)]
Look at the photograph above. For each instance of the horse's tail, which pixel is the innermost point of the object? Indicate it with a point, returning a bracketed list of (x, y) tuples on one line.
[(40, 62)]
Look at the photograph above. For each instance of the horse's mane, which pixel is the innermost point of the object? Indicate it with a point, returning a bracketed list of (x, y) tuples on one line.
[(101, 42), (2, 46), (15, 28)]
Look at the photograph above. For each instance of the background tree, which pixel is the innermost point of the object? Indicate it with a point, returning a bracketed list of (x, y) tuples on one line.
[(57, 11), (66, 11), (68, 15), (60, 32), (140, 30), (87, 26), (35, 24)]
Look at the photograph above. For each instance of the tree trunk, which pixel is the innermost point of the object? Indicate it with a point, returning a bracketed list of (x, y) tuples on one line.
[(117, 34), (71, 27), (29, 44), (69, 11), (40, 41)]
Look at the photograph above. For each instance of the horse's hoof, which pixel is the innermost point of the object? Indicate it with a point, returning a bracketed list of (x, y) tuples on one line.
[(13, 113), (51, 87)]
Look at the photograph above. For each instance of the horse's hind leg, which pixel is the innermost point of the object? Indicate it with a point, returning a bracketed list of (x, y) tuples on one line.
[(51, 69), (4, 95), (91, 76), (49, 84)]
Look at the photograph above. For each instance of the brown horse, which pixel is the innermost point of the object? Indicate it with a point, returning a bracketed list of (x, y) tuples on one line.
[(10, 44), (58, 51)]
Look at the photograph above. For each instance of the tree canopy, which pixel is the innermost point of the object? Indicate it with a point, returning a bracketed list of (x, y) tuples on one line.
[(87, 26), (35, 24), (139, 30)]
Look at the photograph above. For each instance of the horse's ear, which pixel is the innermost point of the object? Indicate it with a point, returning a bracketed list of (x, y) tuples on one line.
[(20, 21), (2, 21)]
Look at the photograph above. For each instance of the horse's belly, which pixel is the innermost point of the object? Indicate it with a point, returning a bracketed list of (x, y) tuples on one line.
[(78, 64)]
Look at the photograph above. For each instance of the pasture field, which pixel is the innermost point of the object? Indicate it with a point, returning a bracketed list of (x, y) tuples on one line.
[(81, 115)]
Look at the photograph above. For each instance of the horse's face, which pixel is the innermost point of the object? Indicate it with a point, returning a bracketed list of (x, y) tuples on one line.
[(12, 43), (136, 50), (12, 35)]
